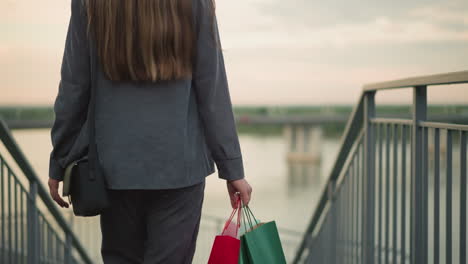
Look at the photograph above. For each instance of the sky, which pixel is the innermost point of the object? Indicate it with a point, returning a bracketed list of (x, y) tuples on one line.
[(277, 52)]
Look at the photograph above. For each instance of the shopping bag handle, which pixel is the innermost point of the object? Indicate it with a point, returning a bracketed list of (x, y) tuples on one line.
[(239, 211), (248, 213)]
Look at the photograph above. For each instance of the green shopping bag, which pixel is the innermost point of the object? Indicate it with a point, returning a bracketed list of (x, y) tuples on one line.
[(243, 254), (261, 243)]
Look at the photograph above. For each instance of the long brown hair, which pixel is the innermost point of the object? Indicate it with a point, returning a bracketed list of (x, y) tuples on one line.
[(143, 40)]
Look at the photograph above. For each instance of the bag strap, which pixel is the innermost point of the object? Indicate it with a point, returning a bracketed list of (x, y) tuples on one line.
[(239, 211), (251, 220), (92, 151)]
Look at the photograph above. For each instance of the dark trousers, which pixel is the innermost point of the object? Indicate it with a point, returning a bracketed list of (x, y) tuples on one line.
[(152, 226)]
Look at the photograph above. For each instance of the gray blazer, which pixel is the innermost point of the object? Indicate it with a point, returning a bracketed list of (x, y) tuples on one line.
[(159, 135)]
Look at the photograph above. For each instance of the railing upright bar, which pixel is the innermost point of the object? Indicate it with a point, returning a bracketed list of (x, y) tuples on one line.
[(366, 243), (352, 240), (15, 202), (33, 238), (354, 252), (334, 224), (22, 193), (352, 172), (411, 192), (436, 195), (59, 249), (387, 195), (336, 199), (463, 198), (363, 242), (395, 194), (359, 215), (40, 221), (48, 248), (2, 201), (345, 230), (43, 225), (403, 195), (380, 240), (352, 219), (356, 249), (56, 247), (357, 240), (448, 200), (68, 249), (425, 193), (355, 171), (340, 227), (326, 238), (368, 178), (419, 114), (347, 213), (52, 248), (10, 237)]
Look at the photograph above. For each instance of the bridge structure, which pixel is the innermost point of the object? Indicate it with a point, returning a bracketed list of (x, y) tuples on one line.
[(397, 192)]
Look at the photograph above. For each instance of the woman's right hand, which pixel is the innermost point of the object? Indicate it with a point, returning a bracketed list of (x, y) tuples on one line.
[(241, 186)]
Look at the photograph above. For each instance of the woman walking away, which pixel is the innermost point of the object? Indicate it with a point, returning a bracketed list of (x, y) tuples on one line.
[(163, 119)]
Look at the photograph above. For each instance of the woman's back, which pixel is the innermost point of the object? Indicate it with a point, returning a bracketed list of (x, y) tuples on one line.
[(150, 135)]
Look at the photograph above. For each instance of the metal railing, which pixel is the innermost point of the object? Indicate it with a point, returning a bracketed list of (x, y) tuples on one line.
[(398, 190), (32, 228)]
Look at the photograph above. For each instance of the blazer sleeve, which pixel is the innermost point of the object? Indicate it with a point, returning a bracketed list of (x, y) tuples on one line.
[(212, 92), (71, 102)]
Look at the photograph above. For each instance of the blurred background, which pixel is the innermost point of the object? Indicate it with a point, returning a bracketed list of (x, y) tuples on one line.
[(296, 70)]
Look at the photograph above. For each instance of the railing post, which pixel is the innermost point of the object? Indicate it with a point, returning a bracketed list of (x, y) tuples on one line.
[(33, 226), (68, 249), (334, 222), (368, 217), (418, 249)]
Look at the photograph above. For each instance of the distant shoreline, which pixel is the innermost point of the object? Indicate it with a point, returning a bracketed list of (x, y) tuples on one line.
[(43, 116)]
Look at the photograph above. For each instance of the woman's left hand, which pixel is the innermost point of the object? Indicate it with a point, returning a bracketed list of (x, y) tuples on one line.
[(53, 189)]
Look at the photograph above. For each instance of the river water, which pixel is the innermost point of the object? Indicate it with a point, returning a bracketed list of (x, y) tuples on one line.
[(266, 170)]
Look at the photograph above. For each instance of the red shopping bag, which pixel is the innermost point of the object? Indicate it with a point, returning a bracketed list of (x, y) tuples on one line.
[(226, 248)]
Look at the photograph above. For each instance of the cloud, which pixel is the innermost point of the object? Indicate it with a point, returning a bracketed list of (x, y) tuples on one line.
[(313, 13), (429, 23), (449, 14), (385, 30)]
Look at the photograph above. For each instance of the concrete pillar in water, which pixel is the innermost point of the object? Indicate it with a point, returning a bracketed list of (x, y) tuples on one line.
[(304, 153)]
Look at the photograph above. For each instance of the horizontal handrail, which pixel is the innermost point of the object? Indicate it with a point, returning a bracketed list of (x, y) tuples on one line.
[(436, 79), (428, 124), (347, 164), (391, 121), (444, 126), (20, 159), (351, 133)]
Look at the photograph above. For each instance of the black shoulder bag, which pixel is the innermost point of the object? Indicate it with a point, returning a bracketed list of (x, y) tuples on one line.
[(84, 182)]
